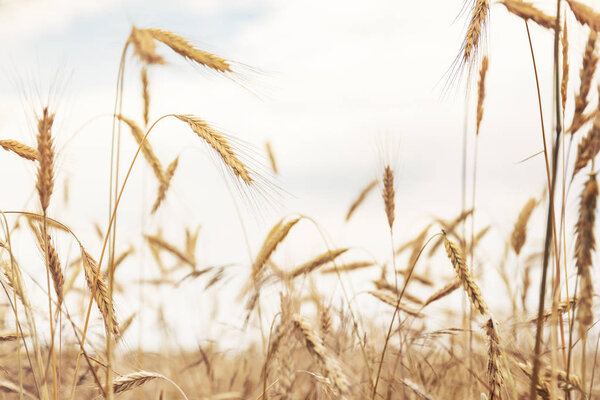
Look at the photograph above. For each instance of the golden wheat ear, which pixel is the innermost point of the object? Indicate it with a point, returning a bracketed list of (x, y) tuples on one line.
[(20, 149)]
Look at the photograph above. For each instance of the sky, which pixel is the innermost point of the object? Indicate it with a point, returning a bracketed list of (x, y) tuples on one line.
[(339, 88)]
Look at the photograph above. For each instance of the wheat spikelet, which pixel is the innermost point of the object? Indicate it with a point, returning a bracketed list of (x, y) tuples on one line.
[(527, 11), (586, 74), (519, 234), (315, 346), (19, 149), (347, 267), (588, 147), (361, 197), (90, 268), (495, 376), (147, 149), (585, 243), (472, 39), (315, 263), (464, 274), (163, 244), (585, 15), (565, 65), (562, 308), (45, 148), (133, 380), (389, 298), (145, 95), (182, 47), (443, 292), (144, 46), (481, 91), (53, 265), (271, 157), (388, 194), (382, 284), (275, 236), (218, 142), (165, 184)]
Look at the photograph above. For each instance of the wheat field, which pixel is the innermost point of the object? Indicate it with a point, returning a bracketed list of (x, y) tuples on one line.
[(434, 316)]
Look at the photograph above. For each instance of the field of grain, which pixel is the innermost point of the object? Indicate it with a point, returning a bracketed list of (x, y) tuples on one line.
[(436, 315)]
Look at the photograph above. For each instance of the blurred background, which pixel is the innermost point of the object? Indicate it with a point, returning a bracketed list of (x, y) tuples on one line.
[(339, 88)]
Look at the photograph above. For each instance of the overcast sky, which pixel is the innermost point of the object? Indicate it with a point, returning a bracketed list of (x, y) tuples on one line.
[(332, 85)]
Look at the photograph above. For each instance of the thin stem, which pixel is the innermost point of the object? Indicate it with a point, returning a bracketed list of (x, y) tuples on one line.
[(549, 229), (106, 236)]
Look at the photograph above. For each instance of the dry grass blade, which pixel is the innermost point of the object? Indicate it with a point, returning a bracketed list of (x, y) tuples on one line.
[(585, 15), (147, 149), (90, 268), (144, 46), (165, 184), (527, 11), (315, 263), (271, 157), (519, 234), (45, 148), (275, 236), (464, 274), (19, 149), (182, 47), (361, 198), (481, 91), (218, 142), (390, 299), (388, 194)]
